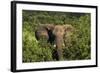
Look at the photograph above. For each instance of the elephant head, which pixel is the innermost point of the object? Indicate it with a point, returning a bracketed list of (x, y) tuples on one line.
[(55, 33), (60, 31)]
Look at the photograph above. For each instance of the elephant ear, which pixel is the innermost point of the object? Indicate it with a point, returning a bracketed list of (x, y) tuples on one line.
[(69, 29)]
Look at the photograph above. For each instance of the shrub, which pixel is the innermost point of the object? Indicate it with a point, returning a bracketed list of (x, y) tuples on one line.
[(77, 46)]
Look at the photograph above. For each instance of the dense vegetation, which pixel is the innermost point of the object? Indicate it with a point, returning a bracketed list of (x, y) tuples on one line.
[(77, 47)]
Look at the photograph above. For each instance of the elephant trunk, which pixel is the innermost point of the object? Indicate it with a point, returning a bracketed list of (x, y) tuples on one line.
[(59, 44)]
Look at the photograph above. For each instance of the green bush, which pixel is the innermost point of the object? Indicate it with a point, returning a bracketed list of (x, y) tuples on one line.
[(77, 46)]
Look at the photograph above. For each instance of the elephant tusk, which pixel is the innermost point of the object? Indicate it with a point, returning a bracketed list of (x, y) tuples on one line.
[(54, 45)]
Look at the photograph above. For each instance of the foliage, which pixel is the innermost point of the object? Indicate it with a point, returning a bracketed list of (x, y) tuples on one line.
[(77, 46)]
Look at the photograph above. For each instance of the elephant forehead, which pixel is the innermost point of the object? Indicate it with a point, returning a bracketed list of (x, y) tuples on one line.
[(58, 32), (58, 27)]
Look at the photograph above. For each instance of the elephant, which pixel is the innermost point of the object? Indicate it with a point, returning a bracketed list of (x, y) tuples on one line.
[(55, 34)]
